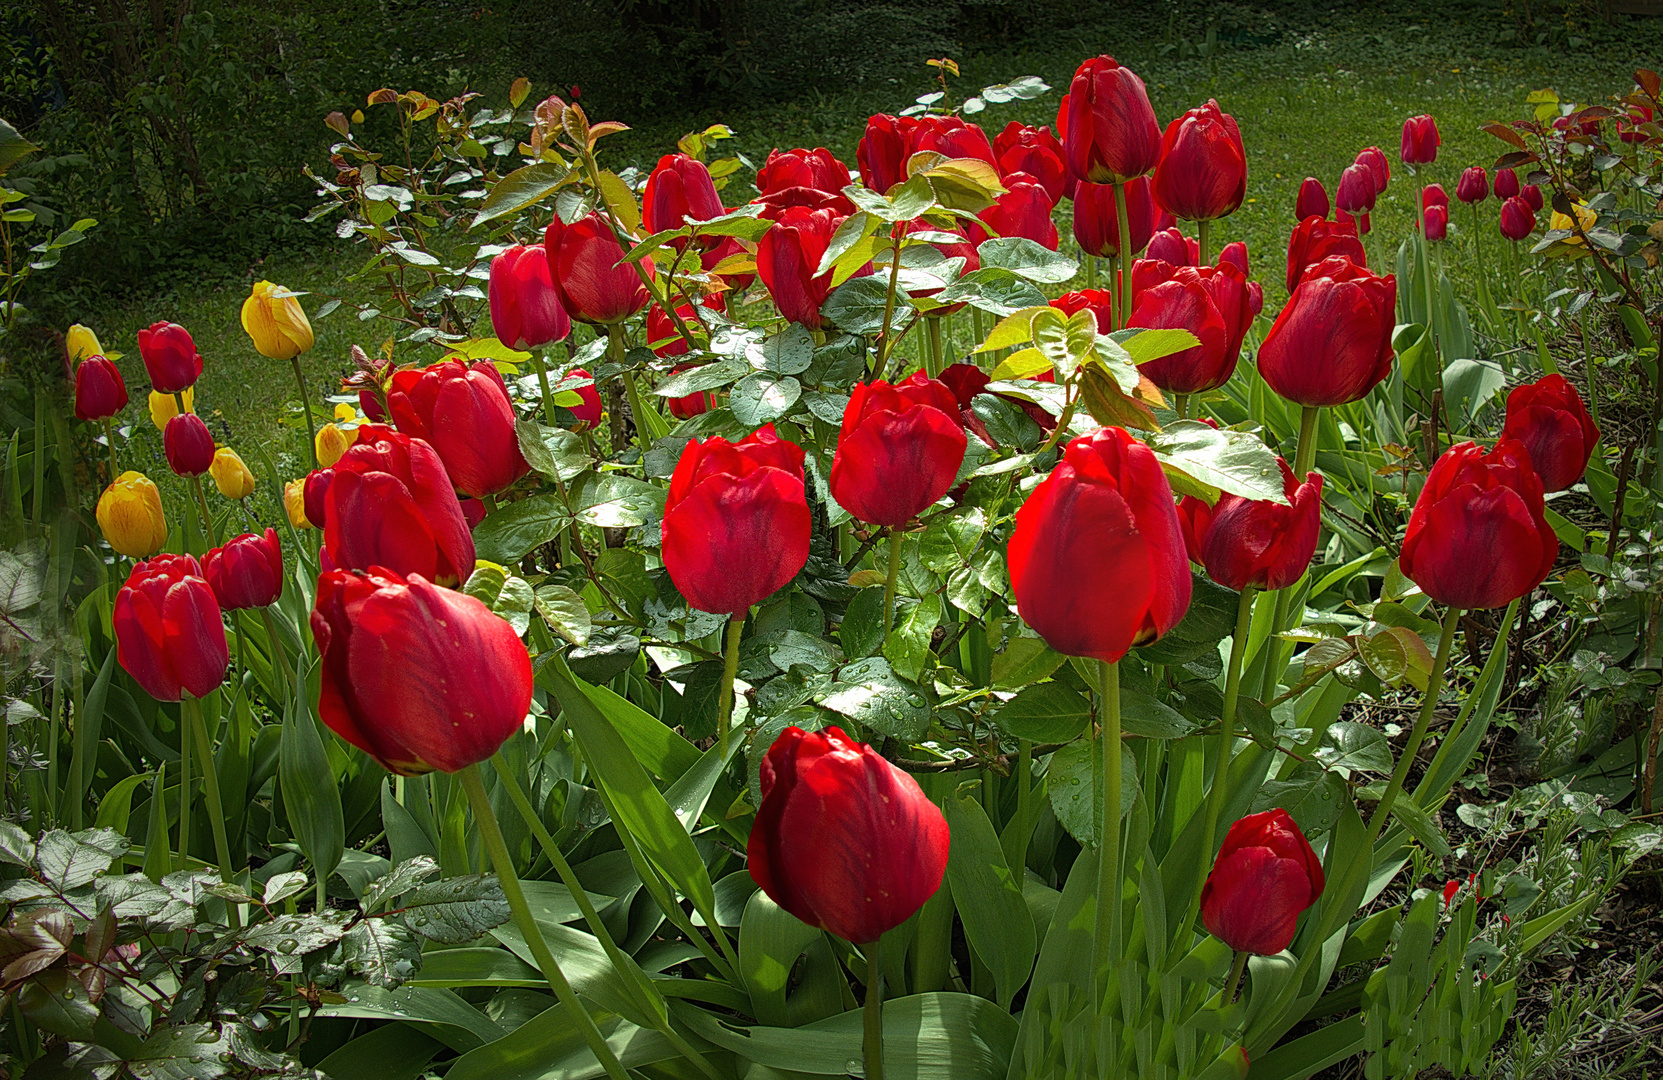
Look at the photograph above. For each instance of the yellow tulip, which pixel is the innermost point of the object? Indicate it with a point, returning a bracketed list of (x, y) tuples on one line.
[(294, 503), (345, 413), (130, 516), (231, 475), (274, 319), (81, 343), (163, 408), (1584, 216), (331, 443)]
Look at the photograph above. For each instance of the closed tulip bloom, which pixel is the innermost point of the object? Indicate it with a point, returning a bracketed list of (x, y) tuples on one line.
[(1235, 254), (680, 187), (231, 476), (1097, 226), (736, 521), (1315, 240), (787, 257), (294, 504), (1435, 222), (188, 445), (169, 634), (1211, 302), (1202, 173), (1433, 195), (844, 840), (526, 312), (1332, 343), (1256, 542), (1265, 876), (1110, 134), (953, 137), (596, 284), (416, 676), (1378, 167), (130, 516), (1507, 183), (1036, 152), (1024, 209), (899, 450), (1474, 185), (1549, 418), (1100, 302), (100, 392), (1532, 195), (1312, 200), (1097, 560), (1478, 537), (463, 412), (273, 319), (587, 412), (1419, 145), (390, 504), (1172, 246), (79, 343), (883, 151), (170, 357), (1356, 193), (163, 407), (809, 178), (330, 443), (246, 572), (315, 496), (1518, 220)]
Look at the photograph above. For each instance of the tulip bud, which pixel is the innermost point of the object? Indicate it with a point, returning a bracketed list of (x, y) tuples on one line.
[(736, 521), (680, 187), (804, 177), (1378, 167), (1256, 542), (1315, 240), (952, 137), (188, 444), (1202, 173), (246, 572), (1435, 222), (170, 636), (787, 257), (392, 683), (1097, 560), (164, 407), (464, 414), (1532, 194), (1474, 185), (294, 504), (663, 336), (1210, 302), (589, 411), (1266, 875), (1433, 195), (273, 319), (1419, 145), (1100, 302), (1478, 537), (1036, 153), (1312, 201), (315, 497), (684, 408), (526, 312), (1332, 342), (100, 392), (1507, 184), (230, 475), (170, 357), (899, 450), (1108, 127), (1518, 220), (330, 443), (130, 516), (1097, 226), (80, 343), (1235, 254), (1023, 209), (1549, 418), (1173, 247), (1356, 192), (597, 285), (844, 840), (389, 503)]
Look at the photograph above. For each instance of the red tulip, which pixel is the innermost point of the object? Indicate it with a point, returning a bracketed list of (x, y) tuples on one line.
[(680, 187), (373, 404), (786, 259), (1433, 195), (953, 137), (736, 521), (246, 572), (1100, 302), (661, 329), (1235, 254), (1532, 194), (1507, 183), (1378, 167), (899, 450), (1548, 417), (1629, 124), (1096, 226), (314, 496), (1477, 537), (1107, 125), (1256, 542), (1435, 222), (883, 151), (168, 631), (188, 445), (1202, 173), (1315, 240), (802, 178), (1419, 145), (1356, 193), (170, 357), (1097, 561), (463, 412), (683, 408), (526, 312), (1518, 220), (844, 840), (1474, 185), (966, 381), (1265, 876), (588, 412), (416, 676), (596, 285), (1210, 302), (1036, 152), (1312, 201), (1172, 246), (390, 503), (100, 392), (1332, 343), (1023, 210)]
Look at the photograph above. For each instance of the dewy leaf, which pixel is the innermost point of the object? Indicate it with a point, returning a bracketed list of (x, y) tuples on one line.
[(1046, 712), (1027, 259), (1357, 747), (293, 936), (554, 452), (1069, 779), (616, 501), (381, 952), (704, 377), (399, 880), (857, 305), (457, 910), (565, 612), (1202, 462), (509, 532), (788, 352), (869, 692), (68, 861), (855, 228), (1025, 660), (908, 646), (763, 396)]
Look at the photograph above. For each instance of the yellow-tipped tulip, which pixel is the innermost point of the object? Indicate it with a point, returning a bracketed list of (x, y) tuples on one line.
[(80, 343), (130, 516), (331, 443), (274, 319), (230, 475), (294, 503), (1584, 216), (163, 408)]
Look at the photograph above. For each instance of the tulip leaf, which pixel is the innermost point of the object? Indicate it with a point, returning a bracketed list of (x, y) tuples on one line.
[(1028, 259), (520, 188), (771, 940), (310, 794), (1356, 747), (616, 501), (1025, 660), (989, 898), (1422, 826), (702, 378), (1046, 712), (870, 693), (1203, 462), (1069, 780), (1472, 383), (508, 533), (763, 396)]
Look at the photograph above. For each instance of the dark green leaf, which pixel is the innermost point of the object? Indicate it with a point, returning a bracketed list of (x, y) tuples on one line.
[(870, 693), (457, 910), (1047, 712)]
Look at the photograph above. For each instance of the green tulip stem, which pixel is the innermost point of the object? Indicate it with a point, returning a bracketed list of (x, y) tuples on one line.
[(1106, 943), (1125, 283), (1203, 233), (192, 711), (976, 325), (109, 440), (278, 655), (872, 1043), (491, 834), (730, 672), (1181, 404), (937, 353), (1428, 706), (542, 371), (184, 788), (1305, 454), (1234, 981), (306, 403), (890, 579), (1227, 725), (207, 515), (886, 339)]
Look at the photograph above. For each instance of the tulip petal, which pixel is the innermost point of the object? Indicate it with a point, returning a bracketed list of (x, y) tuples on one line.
[(1487, 549), (141, 644), (733, 541), (895, 465), (195, 635), (1253, 900), (371, 520)]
